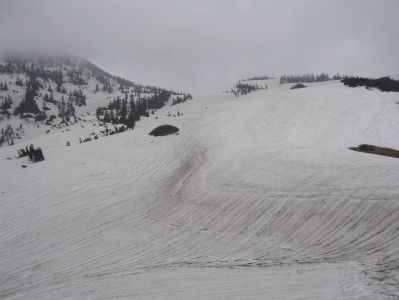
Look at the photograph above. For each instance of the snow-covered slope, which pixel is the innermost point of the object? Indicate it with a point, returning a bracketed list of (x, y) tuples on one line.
[(43, 93), (257, 197)]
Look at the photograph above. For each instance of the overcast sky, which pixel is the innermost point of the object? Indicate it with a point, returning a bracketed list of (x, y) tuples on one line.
[(208, 44)]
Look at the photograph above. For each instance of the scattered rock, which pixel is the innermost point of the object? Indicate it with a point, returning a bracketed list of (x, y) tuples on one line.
[(164, 130), (298, 86), (372, 149)]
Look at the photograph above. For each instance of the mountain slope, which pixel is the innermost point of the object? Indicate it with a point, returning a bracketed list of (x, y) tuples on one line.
[(42, 93), (257, 197)]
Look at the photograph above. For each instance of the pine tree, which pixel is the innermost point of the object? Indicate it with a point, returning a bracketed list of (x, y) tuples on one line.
[(131, 119), (28, 104), (123, 113)]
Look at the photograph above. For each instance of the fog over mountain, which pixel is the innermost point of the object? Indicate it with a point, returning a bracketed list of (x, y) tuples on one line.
[(207, 44)]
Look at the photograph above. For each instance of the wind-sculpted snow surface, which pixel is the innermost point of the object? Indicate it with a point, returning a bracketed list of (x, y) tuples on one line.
[(257, 198)]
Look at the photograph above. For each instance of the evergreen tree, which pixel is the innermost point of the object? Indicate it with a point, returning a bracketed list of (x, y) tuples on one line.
[(131, 119), (28, 104), (123, 113)]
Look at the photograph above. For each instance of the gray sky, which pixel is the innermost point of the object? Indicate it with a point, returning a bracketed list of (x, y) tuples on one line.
[(208, 44)]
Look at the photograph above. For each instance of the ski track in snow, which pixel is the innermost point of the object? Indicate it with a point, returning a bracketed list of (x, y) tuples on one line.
[(258, 197)]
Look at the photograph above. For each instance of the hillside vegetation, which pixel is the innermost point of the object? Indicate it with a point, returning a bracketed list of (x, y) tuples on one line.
[(55, 91), (384, 84)]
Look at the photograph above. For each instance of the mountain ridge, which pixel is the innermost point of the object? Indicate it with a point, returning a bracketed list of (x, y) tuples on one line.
[(55, 90)]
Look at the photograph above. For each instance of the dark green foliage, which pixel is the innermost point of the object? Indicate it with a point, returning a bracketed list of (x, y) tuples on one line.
[(35, 154), (57, 77), (258, 78), (47, 74), (76, 76), (337, 77), (7, 134), (182, 98), (6, 113), (33, 68), (304, 78), (119, 111), (50, 99), (77, 97), (2, 137), (3, 86), (244, 89), (6, 104), (322, 77), (107, 87), (28, 104), (131, 120), (164, 130), (45, 107), (19, 82), (66, 110), (385, 84), (123, 112), (157, 100), (41, 116)]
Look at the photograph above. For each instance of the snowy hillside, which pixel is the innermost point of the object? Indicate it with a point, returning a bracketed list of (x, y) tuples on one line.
[(258, 197), (43, 93)]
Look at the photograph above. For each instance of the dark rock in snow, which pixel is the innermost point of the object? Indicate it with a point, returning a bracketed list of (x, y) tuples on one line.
[(164, 130)]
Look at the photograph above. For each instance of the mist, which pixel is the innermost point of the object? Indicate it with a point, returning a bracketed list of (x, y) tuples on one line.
[(207, 45)]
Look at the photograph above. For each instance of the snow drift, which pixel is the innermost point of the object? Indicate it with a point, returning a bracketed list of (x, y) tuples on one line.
[(258, 197)]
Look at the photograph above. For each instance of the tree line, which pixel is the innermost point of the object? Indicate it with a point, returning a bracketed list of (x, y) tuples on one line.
[(245, 88), (128, 111), (385, 84), (5, 105), (262, 77), (309, 77), (3, 86), (78, 72)]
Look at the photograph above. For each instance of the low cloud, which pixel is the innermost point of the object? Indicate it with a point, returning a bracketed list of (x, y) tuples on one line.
[(204, 45)]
